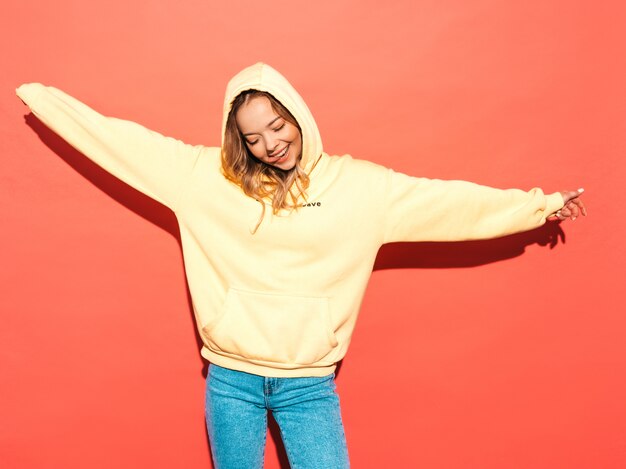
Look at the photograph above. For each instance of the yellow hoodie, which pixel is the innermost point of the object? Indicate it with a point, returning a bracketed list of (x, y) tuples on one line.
[(283, 301)]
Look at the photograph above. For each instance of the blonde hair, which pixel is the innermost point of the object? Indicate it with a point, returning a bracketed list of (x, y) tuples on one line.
[(257, 179)]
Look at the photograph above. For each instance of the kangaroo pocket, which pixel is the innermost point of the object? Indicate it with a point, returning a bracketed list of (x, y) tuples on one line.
[(273, 328)]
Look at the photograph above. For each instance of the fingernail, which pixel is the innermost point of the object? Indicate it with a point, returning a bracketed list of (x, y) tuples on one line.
[(581, 190), (573, 218)]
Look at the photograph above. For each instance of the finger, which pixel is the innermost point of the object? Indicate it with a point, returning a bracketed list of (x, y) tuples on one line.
[(573, 208), (565, 213), (569, 195), (556, 216), (581, 206)]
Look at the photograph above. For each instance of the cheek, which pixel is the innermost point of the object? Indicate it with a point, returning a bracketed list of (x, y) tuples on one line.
[(296, 138), (254, 151), (293, 133), (300, 144)]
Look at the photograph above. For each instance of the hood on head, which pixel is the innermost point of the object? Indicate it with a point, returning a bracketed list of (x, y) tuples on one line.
[(262, 77)]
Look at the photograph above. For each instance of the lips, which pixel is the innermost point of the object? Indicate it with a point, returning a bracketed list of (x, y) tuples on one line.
[(277, 156)]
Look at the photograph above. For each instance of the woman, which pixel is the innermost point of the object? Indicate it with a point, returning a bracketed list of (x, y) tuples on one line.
[(279, 240)]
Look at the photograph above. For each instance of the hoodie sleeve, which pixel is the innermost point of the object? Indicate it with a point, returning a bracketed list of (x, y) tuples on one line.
[(420, 209), (146, 160)]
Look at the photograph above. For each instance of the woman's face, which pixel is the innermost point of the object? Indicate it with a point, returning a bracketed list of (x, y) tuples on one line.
[(269, 137)]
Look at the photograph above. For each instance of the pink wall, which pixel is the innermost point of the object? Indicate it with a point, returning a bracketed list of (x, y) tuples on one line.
[(496, 354)]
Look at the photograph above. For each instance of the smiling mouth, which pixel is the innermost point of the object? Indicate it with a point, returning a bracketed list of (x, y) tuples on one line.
[(280, 154)]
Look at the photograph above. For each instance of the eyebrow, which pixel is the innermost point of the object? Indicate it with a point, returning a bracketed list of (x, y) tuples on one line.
[(268, 125)]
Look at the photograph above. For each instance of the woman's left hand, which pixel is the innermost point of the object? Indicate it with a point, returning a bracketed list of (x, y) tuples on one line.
[(572, 208)]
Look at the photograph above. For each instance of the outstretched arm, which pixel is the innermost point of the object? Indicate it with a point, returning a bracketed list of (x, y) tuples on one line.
[(150, 162), (420, 209)]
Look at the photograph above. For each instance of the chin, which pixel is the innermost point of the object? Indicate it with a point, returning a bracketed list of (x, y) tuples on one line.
[(286, 166)]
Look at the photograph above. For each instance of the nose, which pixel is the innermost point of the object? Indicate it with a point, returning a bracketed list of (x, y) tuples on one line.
[(271, 144)]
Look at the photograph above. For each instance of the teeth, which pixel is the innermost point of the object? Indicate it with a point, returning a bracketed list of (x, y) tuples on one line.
[(282, 153)]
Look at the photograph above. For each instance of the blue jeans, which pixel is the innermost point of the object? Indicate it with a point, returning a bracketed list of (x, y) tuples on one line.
[(305, 409)]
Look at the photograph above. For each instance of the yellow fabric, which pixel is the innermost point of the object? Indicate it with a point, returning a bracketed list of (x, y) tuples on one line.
[(283, 302)]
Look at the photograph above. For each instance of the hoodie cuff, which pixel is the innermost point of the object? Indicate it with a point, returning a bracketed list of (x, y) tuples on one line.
[(554, 202), (29, 92)]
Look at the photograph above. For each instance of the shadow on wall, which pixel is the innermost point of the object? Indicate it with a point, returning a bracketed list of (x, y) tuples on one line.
[(142, 205), (391, 256), (466, 253)]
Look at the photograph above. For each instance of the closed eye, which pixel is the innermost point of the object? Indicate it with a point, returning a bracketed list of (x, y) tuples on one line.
[(275, 129)]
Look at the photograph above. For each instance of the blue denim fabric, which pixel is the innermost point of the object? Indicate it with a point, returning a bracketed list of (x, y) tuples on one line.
[(306, 410)]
